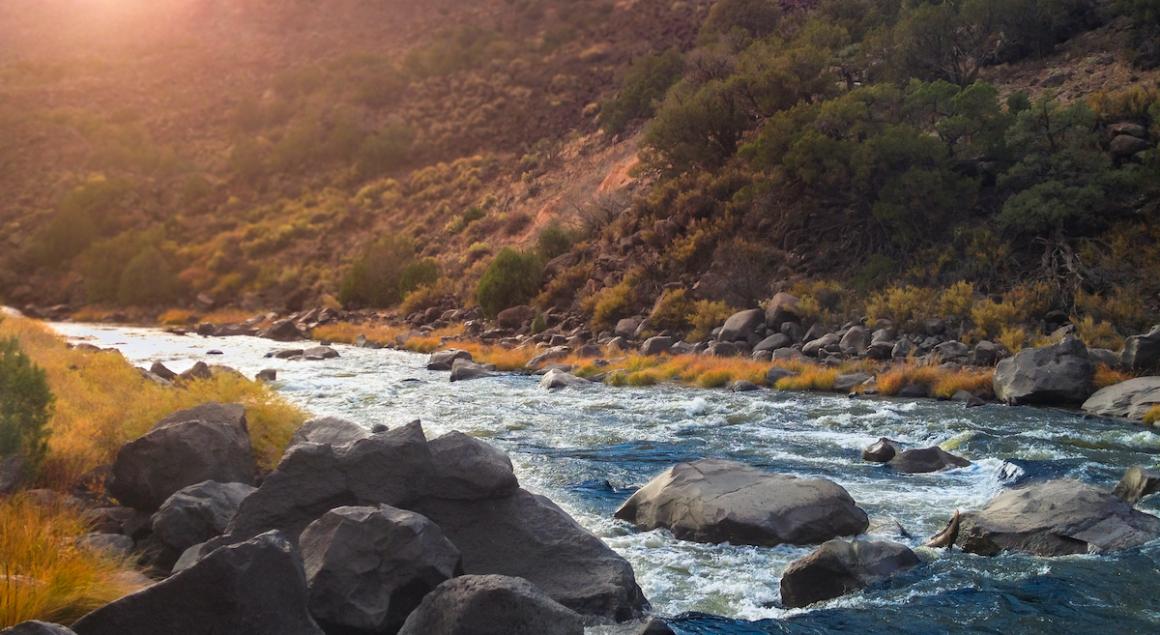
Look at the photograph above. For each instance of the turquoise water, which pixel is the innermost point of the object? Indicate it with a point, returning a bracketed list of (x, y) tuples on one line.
[(588, 449)]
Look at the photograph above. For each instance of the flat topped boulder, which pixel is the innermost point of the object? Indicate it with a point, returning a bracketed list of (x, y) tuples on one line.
[(926, 460), (555, 379), (1130, 399), (714, 500), (328, 431), (207, 443), (839, 567), (443, 360), (1056, 518)]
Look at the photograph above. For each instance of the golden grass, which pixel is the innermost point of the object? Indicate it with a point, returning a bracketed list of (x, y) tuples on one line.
[(102, 402), (1152, 416), (177, 317), (977, 382), (226, 316), (348, 333), (810, 378), (1107, 376), (45, 575), (505, 359), (941, 383)]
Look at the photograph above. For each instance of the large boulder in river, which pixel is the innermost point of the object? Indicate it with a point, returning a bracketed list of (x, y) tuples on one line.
[(529, 536), (1142, 352), (328, 431), (742, 326), (556, 378), (491, 605), (881, 451), (1057, 374), (257, 587), (443, 360), (465, 370), (390, 468), (1056, 518), (367, 568), (197, 513), (839, 567), (207, 443), (714, 500), (1131, 399), (926, 460)]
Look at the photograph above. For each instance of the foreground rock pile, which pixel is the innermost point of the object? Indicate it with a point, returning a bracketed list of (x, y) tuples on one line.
[(353, 532)]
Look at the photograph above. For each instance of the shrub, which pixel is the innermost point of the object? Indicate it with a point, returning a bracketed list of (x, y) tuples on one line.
[(643, 84), (385, 273), (554, 240), (513, 278), (754, 18), (25, 405), (613, 303), (707, 315), (957, 300), (904, 305), (384, 151), (991, 318), (148, 280), (698, 126), (1097, 334), (1012, 338), (424, 297), (672, 311), (1106, 376)]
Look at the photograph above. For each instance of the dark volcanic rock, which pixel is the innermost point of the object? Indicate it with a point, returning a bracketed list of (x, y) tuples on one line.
[(1131, 399), (464, 370), (469, 469), (713, 500), (839, 567), (257, 587), (1056, 518), (197, 513), (924, 460), (491, 605), (328, 431), (443, 360), (367, 568), (1136, 484), (1142, 352), (881, 452), (283, 331), (530, 537), (207, 443), (1058, 374)]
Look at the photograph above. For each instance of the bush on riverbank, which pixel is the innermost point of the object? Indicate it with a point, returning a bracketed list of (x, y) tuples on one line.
[(25, 405), (45, 574)]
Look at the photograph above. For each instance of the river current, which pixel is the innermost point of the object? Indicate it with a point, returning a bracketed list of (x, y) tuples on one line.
[(589, 448)]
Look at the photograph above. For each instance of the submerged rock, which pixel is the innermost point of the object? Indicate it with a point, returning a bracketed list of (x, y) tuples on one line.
[(1131, 399), (491, 605), (925, 460), (207, 443), (1058, 374), (1056, 518), (257, 587), (367, 568), (839, 567), (714, 500)]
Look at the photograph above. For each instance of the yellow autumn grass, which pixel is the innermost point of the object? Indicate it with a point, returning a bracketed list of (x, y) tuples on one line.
[(940, 382), (102, 402), (45, 574), (1107, 376), (1152, 416), (811, 377)]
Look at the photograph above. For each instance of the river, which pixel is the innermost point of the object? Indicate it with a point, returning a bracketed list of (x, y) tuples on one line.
[(589, 448)]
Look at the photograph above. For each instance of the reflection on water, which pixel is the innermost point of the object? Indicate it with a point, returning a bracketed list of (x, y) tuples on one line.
[(589, 448)]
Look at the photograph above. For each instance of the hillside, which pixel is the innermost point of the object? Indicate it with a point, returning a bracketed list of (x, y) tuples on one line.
[(990, 162)]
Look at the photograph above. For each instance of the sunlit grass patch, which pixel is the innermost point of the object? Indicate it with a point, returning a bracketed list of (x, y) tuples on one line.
[(45, 575), (349, 333), (977, 382), (1152, 416), (818, 378), (102, 402), (1107, 376)]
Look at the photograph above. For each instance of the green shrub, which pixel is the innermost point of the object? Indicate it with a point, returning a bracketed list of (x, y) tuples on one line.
[(643, 85), (753, 18), (148, 280), (513, 278), (384, 151), (25, 405), (385, 273), (554, 240)]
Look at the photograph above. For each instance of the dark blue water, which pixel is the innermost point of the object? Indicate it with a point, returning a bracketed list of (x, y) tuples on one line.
[(589, 449)]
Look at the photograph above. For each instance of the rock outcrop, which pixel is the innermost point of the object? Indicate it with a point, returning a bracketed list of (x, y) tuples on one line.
[(839, 567), (1131, 399), (1057, 374), (714, 500), (1056, 518)]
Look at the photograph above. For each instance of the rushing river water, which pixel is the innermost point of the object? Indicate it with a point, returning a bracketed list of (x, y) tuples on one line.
[(589, 448)]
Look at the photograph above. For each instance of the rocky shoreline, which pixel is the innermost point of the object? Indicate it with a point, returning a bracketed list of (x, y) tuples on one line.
[(385, 531)]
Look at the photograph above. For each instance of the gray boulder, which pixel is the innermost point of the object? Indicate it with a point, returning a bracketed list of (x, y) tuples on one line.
[(1057, 374), (319, 353), (815, 346), (850, 381), (658, 345), (714, 500), (953, 351), (1131, 399), (1142, 352), (882, 451), (162, 371), (557, 378), (742, 326), (742, 385), (466, 468), (491, 605), (926, 460), (854, 342), (626, 327), (257, 587), (283, 331), (773, 342), (1137, 483), (464, 370), (367, 568), (1056, 518), (782, 308), (443, 360), (530, 537), (208, 443), (839, 567), (37, 628), (328, 431), (986, 353), (197, 513)]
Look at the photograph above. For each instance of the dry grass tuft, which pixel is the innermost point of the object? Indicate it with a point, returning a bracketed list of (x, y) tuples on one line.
[(810, 378), (1152, 417), (941, 383), (45, 575), (1107, 376)]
